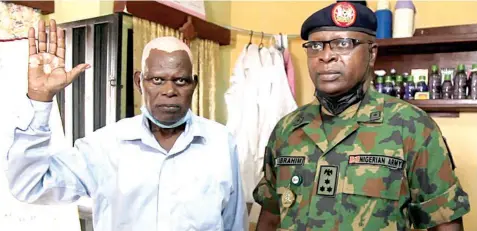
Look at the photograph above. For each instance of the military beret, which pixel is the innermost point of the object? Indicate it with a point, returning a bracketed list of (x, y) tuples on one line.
[(341, 16)]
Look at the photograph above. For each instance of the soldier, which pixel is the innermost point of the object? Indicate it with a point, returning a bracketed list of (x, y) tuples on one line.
[(355, 159)]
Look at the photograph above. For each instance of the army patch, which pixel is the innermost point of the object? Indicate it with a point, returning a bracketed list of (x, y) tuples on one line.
[(327, 180), (289, 160), (387, 161)]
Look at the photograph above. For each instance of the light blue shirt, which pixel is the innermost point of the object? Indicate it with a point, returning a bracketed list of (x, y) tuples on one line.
[(135, 184)]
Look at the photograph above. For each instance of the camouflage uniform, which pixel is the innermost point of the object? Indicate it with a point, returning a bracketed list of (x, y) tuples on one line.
[(382, 165)]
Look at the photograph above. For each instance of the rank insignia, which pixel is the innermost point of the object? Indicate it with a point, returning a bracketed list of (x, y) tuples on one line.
[(327, 180), (343, 14)]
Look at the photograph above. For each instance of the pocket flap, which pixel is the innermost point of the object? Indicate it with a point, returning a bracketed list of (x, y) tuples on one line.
[(373, 181)]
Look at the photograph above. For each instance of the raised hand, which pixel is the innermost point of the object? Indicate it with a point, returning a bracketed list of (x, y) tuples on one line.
[(46, 69)]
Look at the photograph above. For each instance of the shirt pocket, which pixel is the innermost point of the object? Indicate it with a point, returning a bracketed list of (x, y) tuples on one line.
[(371, 195), (200, 201), (297, 182)]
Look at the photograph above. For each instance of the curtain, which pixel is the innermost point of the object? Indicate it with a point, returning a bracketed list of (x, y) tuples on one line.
[(205, 63)]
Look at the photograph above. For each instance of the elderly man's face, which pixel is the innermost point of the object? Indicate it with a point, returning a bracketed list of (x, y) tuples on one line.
[(168, 85), (336, 71)]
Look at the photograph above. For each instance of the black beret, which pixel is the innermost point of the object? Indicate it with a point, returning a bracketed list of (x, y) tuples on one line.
[(341, 16)]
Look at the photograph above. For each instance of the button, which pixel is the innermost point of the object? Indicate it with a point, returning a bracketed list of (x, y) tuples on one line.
[(296, 180), (460, 199)]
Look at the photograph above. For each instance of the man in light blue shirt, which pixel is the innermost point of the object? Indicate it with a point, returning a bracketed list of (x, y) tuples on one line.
[(166, 169)]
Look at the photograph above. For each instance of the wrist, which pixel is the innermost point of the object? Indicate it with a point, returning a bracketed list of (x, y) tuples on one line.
[(40, 96)]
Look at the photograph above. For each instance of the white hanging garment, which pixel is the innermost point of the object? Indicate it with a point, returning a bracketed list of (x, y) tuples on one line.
[(241, 100), (276, 101)]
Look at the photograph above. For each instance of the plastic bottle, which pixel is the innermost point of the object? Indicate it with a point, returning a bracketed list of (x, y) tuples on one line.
[(388, 86), (399, 87), (447, 88), (379, 85), (435, 82), (473, 82), (384, 17), (403, 22), (422, 85), (410, 88)]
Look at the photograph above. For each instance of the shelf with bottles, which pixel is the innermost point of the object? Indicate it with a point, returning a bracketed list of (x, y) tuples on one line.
[(442, 90), (445, 39)]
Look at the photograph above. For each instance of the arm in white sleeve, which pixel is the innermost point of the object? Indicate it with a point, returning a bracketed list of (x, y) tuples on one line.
[(235, 214), (35, 174)]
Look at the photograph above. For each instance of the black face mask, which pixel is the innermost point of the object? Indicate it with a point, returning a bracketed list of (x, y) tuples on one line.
[(339, 103)]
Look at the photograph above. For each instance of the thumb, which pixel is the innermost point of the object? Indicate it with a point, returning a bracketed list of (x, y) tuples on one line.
[(75, 72)]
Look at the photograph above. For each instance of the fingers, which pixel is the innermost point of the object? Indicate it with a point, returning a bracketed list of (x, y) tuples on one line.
[(52, 45), (60, 52), (41, 36), (75, 72), (32, 41)]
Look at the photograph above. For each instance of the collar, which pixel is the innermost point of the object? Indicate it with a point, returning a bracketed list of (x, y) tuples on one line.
[(370, 110), (309, 119), (138, 128)]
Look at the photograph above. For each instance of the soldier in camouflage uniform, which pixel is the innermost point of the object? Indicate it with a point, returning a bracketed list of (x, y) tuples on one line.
[(355, 159)]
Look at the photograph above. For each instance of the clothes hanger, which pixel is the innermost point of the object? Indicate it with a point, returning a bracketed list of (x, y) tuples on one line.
[(250, 41), (282, 46), (261, 43)]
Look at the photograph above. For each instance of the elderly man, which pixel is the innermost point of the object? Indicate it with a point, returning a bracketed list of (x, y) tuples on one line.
[(355, 159), (166, 169)]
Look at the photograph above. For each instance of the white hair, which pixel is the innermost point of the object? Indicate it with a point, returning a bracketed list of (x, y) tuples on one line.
[(167, 44)]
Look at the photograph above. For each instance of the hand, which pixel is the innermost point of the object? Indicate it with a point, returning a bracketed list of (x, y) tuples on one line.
[(46, 70)]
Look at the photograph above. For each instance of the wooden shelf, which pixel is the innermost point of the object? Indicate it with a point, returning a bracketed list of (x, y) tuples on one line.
[(46, 7), (428, 44), (439, 105), (173, 18)]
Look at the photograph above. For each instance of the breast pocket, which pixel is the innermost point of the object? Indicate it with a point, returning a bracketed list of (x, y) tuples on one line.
[(201, 204), (294, 184), (371, 195)]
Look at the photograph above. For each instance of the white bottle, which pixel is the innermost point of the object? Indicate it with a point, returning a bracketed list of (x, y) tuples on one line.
[(404, 15)]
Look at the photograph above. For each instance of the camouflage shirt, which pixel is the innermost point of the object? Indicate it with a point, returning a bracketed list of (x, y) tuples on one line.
[(385, 166)]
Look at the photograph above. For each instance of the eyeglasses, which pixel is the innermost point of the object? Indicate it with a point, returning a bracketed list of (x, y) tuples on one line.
[(338, 46)]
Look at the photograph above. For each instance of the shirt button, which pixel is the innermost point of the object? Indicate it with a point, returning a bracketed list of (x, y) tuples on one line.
[(460, 199)]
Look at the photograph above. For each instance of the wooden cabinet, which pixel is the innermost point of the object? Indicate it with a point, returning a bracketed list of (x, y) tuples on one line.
[(445, 46)]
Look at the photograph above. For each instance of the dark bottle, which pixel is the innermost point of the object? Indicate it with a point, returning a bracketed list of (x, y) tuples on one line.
[(393, 76), (473, 83), (447, 88), (410, 88), (399, 87), (388, 86), (379, 84), (435, 83), (421, 85), (405, 75), (460, 83)]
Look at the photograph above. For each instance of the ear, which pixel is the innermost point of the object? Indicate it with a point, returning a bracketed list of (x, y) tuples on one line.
[(137, 81), (373, 53)]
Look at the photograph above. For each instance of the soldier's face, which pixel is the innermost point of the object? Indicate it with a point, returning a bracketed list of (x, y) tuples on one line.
[(168, 85), (335, 72)]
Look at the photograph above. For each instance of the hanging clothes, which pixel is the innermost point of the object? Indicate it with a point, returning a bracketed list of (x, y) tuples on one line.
[(258, 97), (290, 70)]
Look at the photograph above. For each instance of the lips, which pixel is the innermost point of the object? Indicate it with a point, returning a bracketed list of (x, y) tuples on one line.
[(169, 108), (328, 76)]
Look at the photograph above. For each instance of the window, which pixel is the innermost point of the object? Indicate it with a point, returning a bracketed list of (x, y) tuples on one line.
[(94, 99)]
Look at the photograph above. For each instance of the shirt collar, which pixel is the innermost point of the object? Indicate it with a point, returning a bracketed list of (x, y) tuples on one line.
[(138, 128)]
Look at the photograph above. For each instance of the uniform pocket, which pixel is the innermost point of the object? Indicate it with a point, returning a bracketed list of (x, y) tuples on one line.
[(371, 196)]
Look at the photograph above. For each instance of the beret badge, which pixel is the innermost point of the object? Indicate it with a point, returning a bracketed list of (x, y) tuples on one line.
[(343, 14)]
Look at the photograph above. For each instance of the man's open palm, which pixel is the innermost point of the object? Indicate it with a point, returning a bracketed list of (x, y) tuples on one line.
[(46, 69)]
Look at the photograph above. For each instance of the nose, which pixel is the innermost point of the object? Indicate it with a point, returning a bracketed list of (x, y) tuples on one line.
[(168, 89), (326, 55)]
